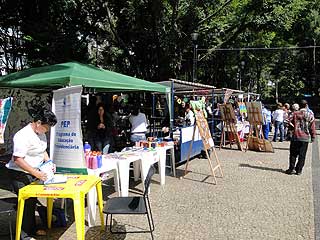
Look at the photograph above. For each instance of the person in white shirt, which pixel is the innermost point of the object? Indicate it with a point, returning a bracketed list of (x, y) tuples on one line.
[(266, 115), (189, 118), (29, 152), (278, 118), (139, 125)]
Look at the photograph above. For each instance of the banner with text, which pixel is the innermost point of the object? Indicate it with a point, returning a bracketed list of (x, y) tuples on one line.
[(5, 108), (66, 136)]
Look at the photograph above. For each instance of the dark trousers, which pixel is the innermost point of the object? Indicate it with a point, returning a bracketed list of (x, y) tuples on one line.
[(297, 149), (101, 142), (19, 180)]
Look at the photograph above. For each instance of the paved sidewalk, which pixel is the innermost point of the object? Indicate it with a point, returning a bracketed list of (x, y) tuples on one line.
[(255, 200)]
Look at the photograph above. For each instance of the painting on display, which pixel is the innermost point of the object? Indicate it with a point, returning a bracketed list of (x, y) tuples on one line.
[(204, 130), (254, 111), (199, 105), (5, 108), (242, 108), (227, 112)]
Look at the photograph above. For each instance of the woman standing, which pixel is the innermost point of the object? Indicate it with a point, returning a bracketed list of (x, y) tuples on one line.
[(139, 125), (29, 152), (278, 117), (103, 124)]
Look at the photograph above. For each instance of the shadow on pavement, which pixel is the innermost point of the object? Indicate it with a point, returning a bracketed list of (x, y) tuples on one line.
[(94, 232), (262, 168), (201, 181), (181, 175), (281, 148)]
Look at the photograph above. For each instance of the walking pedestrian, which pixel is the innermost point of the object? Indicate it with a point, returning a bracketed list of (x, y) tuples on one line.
[(266, 115), (303, 133), (294, 108), (278, 117)]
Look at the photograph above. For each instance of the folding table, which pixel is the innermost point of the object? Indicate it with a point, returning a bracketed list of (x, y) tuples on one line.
[(75, 188)]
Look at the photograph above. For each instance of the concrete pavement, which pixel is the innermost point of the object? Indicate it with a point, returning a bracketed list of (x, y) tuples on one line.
[(254, 200)]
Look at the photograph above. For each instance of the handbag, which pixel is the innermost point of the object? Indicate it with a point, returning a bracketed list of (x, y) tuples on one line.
[(259, 144)]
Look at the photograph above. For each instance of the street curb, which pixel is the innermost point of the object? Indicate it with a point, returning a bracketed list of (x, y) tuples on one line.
[(316, 187)]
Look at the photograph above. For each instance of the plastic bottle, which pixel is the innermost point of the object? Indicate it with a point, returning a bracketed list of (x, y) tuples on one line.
[(88, 162), (99, 160), (105, 150), (87, 147), (94, 161)]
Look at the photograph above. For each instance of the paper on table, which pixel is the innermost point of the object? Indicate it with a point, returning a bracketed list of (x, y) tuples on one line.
[(57, 179), (47, 167)]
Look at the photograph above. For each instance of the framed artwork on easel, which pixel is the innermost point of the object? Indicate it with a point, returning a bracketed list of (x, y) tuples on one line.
[(255, 140), (229, 120), (227, 112), (208, 144), (254, 111)]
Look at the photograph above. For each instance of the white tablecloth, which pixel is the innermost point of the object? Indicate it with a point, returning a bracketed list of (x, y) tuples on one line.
[(120, 163)]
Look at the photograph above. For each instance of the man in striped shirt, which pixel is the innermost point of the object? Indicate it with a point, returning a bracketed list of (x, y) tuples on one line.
[(304, 132)]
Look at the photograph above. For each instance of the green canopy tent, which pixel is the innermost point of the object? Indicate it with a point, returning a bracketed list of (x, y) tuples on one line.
[(48, 78), (74, 73)]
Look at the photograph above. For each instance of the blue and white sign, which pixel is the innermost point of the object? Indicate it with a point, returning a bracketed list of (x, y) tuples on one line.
[(66, 136)]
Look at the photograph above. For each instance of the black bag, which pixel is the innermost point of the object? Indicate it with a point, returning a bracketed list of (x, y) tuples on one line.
[(57, 212)]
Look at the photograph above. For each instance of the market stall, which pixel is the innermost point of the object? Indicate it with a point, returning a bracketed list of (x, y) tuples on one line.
[(185, 94), (223, 96), (251, 97), (91, 79), (237, 100)]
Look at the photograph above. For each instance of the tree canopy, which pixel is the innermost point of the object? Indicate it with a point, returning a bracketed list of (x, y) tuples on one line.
[(254, 45)]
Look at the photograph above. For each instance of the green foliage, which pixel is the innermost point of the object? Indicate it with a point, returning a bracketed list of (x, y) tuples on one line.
[(151, 39)]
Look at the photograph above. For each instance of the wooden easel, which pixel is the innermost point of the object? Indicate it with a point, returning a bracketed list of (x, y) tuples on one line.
[(228, 121), (255, 119), (208, 144)]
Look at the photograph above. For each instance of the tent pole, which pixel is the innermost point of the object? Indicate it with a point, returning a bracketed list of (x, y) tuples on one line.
[(172, 110), (212, 116)]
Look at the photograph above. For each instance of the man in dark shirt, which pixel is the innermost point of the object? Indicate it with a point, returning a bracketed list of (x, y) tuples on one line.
[(304, 132)]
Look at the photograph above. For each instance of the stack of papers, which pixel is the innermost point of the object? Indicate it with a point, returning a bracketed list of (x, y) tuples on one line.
[(57, 178), (48, 168)]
